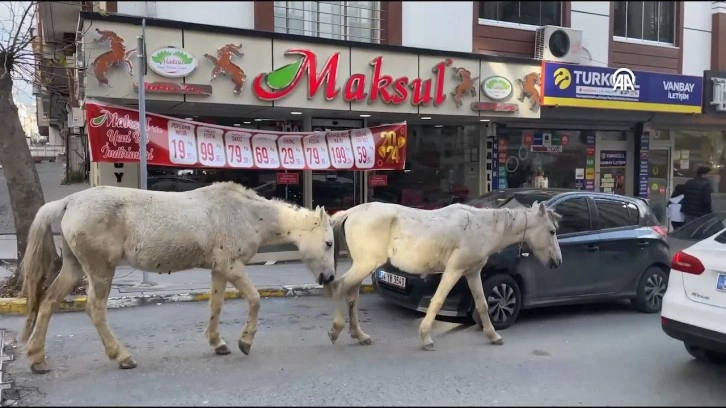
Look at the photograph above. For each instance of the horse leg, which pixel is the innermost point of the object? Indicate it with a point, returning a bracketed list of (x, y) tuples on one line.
[(99, 287), (70, 273), (473, 279), (219, 283), (343, 287), (236, 275), (354, 324), (448, 280)]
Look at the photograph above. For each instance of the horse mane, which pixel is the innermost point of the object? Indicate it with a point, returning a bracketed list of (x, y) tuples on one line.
[(250, 194)]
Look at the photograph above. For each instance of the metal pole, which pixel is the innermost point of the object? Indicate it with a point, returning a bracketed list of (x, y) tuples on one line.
[(141, 67)]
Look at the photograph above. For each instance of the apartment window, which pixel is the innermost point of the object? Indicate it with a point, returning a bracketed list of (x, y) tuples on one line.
[(341, 20), (646, 20), (536, 13)]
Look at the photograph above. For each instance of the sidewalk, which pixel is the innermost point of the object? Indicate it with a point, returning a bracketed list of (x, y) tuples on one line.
[(128, 289)]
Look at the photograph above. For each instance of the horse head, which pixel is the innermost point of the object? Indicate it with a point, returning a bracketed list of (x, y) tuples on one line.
[(462, 73), (315, 243), (534, 77), (541, 234)]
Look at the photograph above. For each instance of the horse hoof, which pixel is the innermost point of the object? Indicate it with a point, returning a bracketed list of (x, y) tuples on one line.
[(429, 347), (222, 350), (244, 347), (127, 363), (39, 368), (333, 336), (498, 341), (366, 342)]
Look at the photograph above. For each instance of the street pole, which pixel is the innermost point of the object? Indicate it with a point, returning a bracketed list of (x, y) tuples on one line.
[(141, 67)]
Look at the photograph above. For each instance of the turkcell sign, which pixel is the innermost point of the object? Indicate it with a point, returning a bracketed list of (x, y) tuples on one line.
[(612, 88)]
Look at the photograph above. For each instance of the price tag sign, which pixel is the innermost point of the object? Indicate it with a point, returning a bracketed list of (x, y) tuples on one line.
[(316, 151), (239, 152), (210, 145), (182, 143), (363, 148), (264, 151), (341, 153), (291, 152)]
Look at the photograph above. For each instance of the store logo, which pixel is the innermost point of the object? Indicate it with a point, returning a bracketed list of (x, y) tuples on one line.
[(496, 88), (563, 78), (623, 80), (467, 85), (172, 62), (223, 65)]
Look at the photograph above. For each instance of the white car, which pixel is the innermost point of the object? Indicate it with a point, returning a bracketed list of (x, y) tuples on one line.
[(694, 305)]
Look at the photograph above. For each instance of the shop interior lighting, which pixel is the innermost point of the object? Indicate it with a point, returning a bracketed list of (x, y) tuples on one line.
[(295, 113), (188, 118), (237, 124), (247, 123), (258, 120), (425, 117), (484, 120), (364, 115), (439, 126)]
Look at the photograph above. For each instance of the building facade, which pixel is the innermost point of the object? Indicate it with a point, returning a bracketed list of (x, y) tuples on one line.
[(536, 104)]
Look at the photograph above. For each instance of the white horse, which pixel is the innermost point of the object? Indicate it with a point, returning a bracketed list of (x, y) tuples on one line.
[(457, 239), (218, 227)]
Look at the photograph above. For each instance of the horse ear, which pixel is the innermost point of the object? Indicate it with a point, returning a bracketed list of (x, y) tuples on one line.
[(542, 209), (534, 205), (321, 212)]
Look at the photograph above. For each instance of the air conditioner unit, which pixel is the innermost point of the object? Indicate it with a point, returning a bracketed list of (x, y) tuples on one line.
[(558, 44)]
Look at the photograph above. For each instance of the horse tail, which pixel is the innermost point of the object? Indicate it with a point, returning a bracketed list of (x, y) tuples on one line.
[(38, 258), (338, 220)]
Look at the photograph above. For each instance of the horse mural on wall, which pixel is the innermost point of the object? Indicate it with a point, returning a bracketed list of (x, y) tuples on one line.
[(118, 55), (223, 65), (467, 85), (529, 84)]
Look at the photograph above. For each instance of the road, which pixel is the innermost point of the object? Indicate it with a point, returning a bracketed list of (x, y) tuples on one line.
[(51, 175), (593, 355)]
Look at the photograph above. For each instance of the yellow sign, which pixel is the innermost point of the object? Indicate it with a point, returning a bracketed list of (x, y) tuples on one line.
[(589, 174)]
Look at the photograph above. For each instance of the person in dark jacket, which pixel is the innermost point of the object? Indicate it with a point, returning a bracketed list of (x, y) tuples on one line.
[(697, 196)]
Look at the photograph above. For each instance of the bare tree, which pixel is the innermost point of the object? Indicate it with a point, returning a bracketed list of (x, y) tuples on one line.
[(19, 62)]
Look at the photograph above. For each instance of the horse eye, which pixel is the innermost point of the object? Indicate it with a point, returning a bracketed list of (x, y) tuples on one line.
[(553, 232), (329, 244)]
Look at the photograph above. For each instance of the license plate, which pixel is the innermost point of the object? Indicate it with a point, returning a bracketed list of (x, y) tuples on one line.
[(391, 279), (721, 282)]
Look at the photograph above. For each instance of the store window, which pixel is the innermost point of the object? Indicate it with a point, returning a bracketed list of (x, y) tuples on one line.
[(442, 167), (693, 149), (541, 159)]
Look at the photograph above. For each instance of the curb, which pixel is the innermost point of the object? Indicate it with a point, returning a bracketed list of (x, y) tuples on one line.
[(16, 306)]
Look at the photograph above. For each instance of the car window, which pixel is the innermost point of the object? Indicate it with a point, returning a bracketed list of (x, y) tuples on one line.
[(612, 213), (702, 227), (575, 216), (721, 238)]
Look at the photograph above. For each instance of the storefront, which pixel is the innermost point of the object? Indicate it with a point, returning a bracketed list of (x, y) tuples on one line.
[(698, 140), (256, 81), (605, 115)]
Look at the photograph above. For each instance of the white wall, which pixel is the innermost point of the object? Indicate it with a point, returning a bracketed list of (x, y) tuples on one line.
[(696, 37), (236, 14), (438, 25), (593, 18)]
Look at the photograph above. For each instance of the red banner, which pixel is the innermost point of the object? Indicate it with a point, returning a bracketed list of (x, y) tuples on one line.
[(113, 136)]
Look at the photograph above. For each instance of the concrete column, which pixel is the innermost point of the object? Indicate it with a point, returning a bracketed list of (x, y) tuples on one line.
[(718, 36), (307, 174)]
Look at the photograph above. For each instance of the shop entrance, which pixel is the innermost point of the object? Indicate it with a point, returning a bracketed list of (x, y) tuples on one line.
[(613, 161), (337, 190), (660, 172)]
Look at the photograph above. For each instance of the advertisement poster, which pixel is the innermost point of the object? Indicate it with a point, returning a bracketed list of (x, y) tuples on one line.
[(113, 136), (612, 171)]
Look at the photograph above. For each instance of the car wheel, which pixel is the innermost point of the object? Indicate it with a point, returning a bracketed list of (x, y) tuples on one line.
[(504, 299), (702, 354), (651, 289)]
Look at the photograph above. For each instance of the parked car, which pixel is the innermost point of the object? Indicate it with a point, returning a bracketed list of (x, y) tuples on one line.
[(696, 230), (694, 306), (612, 248)]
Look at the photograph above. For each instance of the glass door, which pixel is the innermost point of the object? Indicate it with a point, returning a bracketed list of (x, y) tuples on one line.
[(659, 161)]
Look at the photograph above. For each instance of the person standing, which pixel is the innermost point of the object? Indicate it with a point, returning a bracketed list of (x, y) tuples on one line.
[(697, 195)]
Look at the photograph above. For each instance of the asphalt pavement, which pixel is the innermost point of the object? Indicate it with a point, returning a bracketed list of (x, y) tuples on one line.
[(587, 355)]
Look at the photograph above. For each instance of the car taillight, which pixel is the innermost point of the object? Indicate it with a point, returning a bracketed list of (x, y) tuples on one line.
[(684, 262), (660, 231)]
